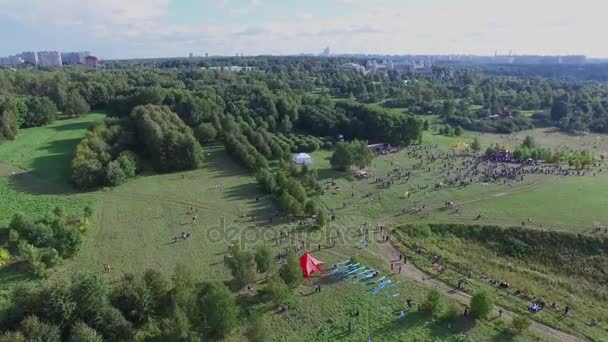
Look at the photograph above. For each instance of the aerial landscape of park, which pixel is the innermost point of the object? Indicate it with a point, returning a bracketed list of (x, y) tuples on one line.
[(181, 200)]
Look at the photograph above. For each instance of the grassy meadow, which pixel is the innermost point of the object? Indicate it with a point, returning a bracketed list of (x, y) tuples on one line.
[(135, 223)]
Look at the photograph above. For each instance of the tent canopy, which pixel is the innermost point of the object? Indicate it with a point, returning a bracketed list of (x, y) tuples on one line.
[(310, 264), (301, 158)]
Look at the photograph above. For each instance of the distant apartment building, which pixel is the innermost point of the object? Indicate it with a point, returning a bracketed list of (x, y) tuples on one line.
[(49, 58), (72, 58), (352, 67), (29, 57), (401, 67), (11, 61), (234, 68), (91, 60)]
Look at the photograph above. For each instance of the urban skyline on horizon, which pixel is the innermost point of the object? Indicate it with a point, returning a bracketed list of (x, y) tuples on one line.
[(169, 28)]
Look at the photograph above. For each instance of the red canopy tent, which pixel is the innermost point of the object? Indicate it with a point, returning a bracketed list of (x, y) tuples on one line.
[(309, 265)]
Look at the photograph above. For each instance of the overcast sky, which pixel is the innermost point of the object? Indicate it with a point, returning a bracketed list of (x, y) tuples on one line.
[(164, 28)]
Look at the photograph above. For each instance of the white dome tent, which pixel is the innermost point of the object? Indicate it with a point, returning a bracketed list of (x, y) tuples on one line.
[(301, 158)]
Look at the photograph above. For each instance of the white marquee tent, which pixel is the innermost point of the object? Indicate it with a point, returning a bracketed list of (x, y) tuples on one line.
[(302, 158)]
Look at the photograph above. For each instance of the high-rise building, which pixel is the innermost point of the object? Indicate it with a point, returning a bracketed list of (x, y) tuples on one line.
[(326, 52), (11, 60), (91, 60), (71, 58), (30, 57), (49, 58)]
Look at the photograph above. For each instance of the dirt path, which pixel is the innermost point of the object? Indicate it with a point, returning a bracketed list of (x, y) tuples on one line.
[(411, 272)]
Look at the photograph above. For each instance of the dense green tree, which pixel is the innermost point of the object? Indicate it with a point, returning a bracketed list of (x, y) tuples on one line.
[(205, 132), (35, 330), (134, 299), (476, 145), (241, 265), (276, 291), (322, 219), (458, 131), (80, 332), (75, 104), (263, 259), (529, 142), (218, 310), (482, 304), (520, 324), (40, 111), (290, 272), (434, 302), (560, 108), (256, 330), (342, 158)]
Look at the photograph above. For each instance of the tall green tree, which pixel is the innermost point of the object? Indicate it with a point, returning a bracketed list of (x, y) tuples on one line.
[(241, 266), (218, 310)]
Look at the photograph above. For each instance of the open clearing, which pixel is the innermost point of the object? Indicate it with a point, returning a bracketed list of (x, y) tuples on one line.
[(134, 226)]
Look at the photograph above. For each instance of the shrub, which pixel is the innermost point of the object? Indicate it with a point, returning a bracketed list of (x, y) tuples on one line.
[(263, 259), (81, 332), (205, 132), (482, 304), (240, 264), (5, 256), (434, 302), (290, 272), (276, 291), (218, 310), (40, 111), (452, 312), (520, 324), (256, 331)]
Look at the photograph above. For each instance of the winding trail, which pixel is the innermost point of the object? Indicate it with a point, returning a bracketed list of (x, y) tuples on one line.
[(411, 272)]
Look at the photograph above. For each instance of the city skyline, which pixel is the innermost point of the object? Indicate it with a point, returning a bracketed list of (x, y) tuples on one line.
[(172, 28)]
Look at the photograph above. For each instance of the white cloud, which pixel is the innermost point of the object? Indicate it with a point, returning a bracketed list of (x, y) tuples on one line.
[(405, 26)]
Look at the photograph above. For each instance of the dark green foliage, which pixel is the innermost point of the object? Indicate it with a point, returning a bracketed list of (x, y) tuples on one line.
[(40, 111), (75, 104), (165, 139), (458, 131), (266, 180), (476, 145), (290, 272), (263, 259), (43, 242), (563, 252), (80, 332), (256, 331), (434, 302), (105, 143), (205, 132), (35, 330), (482, 304), (241, 266), (322, 219), (218, 310), (520, 324), (353, 153), (529, 142), (9, 125), (275, 291), (134, 299)]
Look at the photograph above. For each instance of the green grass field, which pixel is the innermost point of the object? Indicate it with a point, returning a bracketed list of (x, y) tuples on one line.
[(134, 225)]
